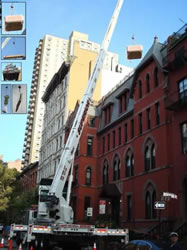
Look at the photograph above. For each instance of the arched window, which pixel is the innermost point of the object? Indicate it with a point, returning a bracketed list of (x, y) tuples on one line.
[(147, 83), (156, 77), (116, 168), (148, 205), (150, 198), (140, 88), (153, 156), (88, 176), (153, 203), (150, 155), (129, 164), (105, 172), (147, 159)]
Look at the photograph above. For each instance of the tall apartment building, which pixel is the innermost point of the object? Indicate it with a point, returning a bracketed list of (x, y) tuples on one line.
[(65, 89), (50, 54), (81, 54)]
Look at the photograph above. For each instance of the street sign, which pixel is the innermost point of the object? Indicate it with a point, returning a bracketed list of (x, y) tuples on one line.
[(102, 206), (159, 205), (171, 195), (89, 211)]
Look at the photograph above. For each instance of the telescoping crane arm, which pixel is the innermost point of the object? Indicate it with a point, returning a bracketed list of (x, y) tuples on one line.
[(67, 156)]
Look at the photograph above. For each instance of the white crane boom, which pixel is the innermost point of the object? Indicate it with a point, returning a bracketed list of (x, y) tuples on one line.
[(76, 130)]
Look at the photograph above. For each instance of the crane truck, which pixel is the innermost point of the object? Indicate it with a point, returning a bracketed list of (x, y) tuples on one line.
[(52, 225)]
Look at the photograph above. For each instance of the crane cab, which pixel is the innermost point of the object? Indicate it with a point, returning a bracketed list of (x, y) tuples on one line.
[(134, 51), (14, 22)]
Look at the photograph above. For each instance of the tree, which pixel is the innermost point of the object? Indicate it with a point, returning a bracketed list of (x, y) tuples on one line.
[(7, 178)]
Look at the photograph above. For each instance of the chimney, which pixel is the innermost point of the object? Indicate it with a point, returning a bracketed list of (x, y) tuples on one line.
[(155, 39)]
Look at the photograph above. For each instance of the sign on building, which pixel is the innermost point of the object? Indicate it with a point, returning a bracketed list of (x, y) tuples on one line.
[(159, 205), (102, 207), (171, 195), (89, 211)]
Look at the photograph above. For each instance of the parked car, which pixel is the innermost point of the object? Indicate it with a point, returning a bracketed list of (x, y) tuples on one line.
[(142, 245)]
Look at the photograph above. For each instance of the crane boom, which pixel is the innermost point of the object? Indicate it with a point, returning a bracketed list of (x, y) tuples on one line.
[(64, 168), (76, 130)]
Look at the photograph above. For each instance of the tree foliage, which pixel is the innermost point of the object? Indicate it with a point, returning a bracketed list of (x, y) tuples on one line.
[(14, 200), (7, 178)]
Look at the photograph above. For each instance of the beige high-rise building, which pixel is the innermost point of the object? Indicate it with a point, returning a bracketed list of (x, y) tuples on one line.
[(81, 54)]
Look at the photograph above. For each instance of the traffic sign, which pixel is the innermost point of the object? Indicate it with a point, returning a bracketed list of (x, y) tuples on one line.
[(159, 205)]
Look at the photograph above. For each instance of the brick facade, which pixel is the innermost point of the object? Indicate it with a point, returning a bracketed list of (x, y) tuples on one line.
[(138, 149)]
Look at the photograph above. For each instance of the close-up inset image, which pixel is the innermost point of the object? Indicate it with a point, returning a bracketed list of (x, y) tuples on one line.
[(6, 99), (19, 98), (13, 18), (13, 48), (11, 71)]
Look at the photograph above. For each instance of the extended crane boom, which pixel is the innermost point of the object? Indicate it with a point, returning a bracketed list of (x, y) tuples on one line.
[(58, 203)]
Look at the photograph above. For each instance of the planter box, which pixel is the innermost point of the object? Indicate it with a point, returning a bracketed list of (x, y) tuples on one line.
[(14, 23)]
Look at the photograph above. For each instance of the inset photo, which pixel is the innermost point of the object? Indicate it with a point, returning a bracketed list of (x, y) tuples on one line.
[(13, 18), (13, 48), (19, 98), (6, 99), (11, 71)]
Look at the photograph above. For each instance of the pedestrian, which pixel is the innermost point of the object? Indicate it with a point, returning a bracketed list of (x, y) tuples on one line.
[(174, 242)]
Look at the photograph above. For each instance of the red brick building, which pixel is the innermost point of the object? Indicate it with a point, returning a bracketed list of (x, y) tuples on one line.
[(134, 144)]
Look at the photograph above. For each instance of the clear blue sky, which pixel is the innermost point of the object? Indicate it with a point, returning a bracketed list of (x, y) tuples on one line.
[(143, 18)]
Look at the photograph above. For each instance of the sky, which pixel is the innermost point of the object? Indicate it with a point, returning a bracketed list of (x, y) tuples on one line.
[(142, 18)]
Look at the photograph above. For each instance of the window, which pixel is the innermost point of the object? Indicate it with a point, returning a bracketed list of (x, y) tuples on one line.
[(91, 122), (157, 108), (147, 83), (114, 138), (132, 128), (129, 207), (150, 155), (105, 172), (183, 90), (125, 101), (107, 114), (140, 88), (126, 135), (88, 176), (90, 146), (148, 206), (147, 159), (119, 136), (76, 175), (87, 201), (116, 168), (148, 118), (60, 141), (150, 198), (103, 145), (156, 77), (184, 137), (120, 105), (153, 156), (129, 164), (77, 150), (108, 142), (140, 123)]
